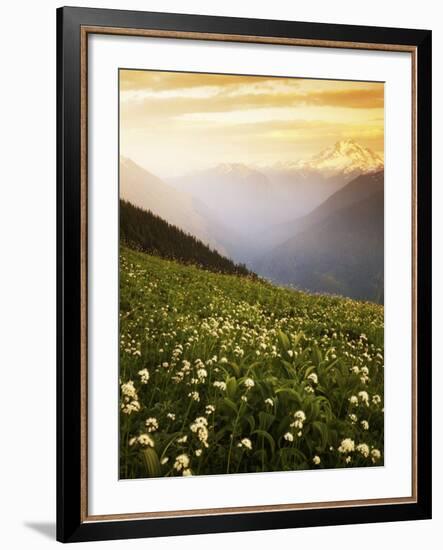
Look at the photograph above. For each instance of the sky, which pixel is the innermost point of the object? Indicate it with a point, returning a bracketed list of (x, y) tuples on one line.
[(173, 123)]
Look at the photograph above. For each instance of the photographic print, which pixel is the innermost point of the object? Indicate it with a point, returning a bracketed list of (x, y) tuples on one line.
[(251, 221)]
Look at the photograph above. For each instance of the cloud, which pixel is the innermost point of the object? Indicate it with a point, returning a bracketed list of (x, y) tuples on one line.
[(199, 118), (165, 80), (198, 92)]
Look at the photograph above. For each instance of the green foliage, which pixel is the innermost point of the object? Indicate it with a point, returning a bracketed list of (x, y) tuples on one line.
[(225, 374)]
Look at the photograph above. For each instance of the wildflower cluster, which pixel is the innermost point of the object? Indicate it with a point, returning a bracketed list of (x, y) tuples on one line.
[(224, 374)]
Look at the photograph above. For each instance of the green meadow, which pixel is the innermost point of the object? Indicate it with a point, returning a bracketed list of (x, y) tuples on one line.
[(226, 373)]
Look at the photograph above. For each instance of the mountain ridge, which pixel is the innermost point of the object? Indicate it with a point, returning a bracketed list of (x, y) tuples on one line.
[(338, 248), (345, 156)]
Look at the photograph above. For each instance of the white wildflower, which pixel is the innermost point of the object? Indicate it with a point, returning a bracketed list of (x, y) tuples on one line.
[(363, 449), (353, 400), (364, 397), (145, 440), (300, 415), (209, 409), (376, 399), (128, 389), (130, 407), (313, 377), (299, 418), (202, 374), (375, 455), (347, 446), (199, 421), (144, 376), (199, 428), (181, 462), (152, 424), (194, 395), (245, 442)]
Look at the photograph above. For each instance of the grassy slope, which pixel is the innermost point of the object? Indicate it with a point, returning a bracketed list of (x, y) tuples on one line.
[(190, 328)]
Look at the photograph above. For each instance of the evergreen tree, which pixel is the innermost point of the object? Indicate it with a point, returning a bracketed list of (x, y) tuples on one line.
[(144, 231)]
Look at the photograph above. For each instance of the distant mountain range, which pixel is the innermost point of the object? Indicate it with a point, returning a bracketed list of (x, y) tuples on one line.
[(281, 191), (317, 224), (337, 248), (240, 195), (143, 189)]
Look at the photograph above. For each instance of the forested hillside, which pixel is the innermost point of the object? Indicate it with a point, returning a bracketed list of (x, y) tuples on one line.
[(143, 230)]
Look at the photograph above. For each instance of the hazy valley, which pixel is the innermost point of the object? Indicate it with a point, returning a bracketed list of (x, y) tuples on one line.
[(314, 224)]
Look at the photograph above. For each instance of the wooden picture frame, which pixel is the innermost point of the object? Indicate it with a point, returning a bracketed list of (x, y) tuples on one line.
[(74, 25)]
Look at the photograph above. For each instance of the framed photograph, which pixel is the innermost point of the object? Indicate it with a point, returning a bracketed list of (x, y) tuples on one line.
[(244, 274)]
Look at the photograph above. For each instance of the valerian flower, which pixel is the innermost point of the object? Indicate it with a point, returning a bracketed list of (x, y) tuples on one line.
[(145, 440), (353, 400), (194, 395), (144, 376), (245, 442), (151, 424), (181, 462), (299, 419), (128, 389), (364, 397), (375, 455), (313, 378), (363, 449), (347, 446)]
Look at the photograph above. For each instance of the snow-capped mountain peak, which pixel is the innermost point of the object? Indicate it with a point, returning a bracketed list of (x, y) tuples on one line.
[(346, 156)]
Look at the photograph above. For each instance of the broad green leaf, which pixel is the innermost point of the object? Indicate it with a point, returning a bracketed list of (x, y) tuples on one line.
[(151, 462)]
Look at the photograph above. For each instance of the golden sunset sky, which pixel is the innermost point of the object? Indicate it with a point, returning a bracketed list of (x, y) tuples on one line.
[(173, 123)]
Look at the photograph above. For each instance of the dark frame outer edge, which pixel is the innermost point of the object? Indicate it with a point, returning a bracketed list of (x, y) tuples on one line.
[(68, 276)]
